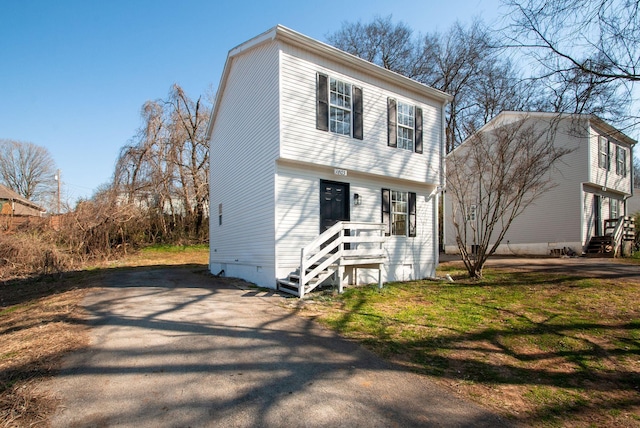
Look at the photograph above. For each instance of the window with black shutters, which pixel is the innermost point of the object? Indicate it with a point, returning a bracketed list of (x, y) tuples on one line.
[(404, 125), (399, 213), (338, 107)]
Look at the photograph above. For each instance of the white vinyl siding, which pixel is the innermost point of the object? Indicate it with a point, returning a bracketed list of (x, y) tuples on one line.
[(301, 142), (554, 219), (246, 133), (268, 155), (298, 221), (612, 177)]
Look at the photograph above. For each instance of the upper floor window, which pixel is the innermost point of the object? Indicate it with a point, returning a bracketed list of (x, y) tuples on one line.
[(621, 161), (603, 153), (404, 125), (338, 106), (399, 212)]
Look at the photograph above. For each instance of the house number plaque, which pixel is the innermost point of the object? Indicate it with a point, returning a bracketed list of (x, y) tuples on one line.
[(342, 172)]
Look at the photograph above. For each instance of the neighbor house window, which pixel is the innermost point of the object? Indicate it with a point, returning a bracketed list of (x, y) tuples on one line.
[(614, 208), (603, 153), (404, 125), (621, 161), (399, 212), (338, 106)]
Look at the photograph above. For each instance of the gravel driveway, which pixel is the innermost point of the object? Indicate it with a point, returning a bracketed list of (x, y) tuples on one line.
[(177, 347)]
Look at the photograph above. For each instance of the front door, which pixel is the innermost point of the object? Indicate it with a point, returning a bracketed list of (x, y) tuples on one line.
[(334, 203), (597, 214)]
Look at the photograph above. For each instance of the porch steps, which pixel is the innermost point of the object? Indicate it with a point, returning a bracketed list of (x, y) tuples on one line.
[(291, 284), (618, 232), (343, 248), (601, 246)]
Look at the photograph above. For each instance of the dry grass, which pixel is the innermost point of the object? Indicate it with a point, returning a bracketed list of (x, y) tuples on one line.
[(41, 320), (35, 333)]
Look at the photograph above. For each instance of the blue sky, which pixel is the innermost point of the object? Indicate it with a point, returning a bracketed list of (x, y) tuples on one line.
[(74, 74)]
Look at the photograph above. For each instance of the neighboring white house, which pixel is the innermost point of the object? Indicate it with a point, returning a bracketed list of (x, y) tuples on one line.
[(592, 185), (303, 136), (633, 203)]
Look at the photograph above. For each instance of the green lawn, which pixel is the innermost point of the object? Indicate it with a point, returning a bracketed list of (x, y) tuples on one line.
[(542, 349)]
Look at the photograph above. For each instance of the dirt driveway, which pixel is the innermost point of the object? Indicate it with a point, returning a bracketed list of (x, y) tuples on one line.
[(178, 347)]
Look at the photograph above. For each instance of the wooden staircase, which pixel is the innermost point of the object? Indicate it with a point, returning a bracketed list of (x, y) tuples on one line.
[(345, 245), (617, 231)]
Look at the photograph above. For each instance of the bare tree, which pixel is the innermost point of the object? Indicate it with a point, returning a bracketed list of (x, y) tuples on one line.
[(165, 168), (27, 169), (463, 62), (636, 174), (191, 153), (492, 178), (597, 37), (381, 42), (588, 52)]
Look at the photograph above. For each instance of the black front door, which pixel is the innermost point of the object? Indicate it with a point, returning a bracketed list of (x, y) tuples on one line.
[(597, 214), (334, 203)]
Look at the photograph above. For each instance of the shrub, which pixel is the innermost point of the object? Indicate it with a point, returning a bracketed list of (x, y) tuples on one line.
[(27, 254)]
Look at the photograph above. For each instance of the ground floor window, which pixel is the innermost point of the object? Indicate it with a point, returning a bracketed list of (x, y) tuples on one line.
[(399, 212)]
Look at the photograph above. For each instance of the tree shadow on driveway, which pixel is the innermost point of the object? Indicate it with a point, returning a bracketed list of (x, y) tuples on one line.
[(176, 346)]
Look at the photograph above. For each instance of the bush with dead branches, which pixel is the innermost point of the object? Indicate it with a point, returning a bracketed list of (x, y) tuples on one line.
[(28, 253)]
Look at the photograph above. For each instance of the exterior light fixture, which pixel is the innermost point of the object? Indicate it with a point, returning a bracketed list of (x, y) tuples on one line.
[(357, 199)]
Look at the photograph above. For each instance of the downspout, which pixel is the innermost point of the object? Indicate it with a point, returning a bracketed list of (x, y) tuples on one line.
[(441, 187)]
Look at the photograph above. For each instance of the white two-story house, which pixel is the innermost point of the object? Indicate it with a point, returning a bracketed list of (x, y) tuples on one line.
[(591, 185), (304, 138)]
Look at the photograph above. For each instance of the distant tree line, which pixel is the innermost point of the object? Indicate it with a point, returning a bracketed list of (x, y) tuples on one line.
[(475, 64)]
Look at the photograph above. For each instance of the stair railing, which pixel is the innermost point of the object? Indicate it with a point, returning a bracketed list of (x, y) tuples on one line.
[(316, 250), (328, 249), (617, 235)]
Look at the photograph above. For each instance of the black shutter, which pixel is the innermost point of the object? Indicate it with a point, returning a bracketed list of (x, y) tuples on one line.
[(412, 214), (322, 103), (392, 117), (357, 113), (386, 211), (418, 130)]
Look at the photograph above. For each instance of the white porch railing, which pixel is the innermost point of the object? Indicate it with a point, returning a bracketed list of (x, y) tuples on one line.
[(345, 244)]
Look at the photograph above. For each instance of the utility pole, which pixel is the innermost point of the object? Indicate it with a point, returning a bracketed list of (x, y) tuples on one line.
[(58, 179)]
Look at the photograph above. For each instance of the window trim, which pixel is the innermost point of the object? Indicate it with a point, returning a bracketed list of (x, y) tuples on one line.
[(604, 158), (393, 125), (614, 203), (346, 108), (411, 127), (621, 164), (324, 106), (388, 213)]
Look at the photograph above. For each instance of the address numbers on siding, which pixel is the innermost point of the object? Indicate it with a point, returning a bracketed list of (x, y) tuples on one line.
[(342, 172)]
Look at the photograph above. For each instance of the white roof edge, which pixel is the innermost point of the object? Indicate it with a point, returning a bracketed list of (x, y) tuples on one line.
[(332, 52), (268, 35), (293, 37), (600, 123)]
